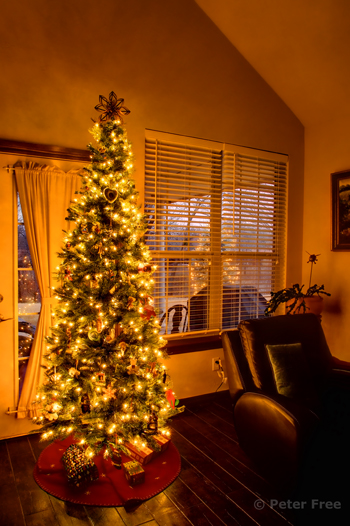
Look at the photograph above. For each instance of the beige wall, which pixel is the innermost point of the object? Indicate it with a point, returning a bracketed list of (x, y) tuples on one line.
[(327, 151), (174, 68)]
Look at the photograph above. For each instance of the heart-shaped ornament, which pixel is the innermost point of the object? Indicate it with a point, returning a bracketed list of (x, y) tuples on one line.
[(110, 194)]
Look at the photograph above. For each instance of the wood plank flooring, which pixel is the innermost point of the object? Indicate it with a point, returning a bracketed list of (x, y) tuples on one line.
[(217, 485)]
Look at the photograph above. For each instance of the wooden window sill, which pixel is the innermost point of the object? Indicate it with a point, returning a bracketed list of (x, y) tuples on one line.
[(187, 345)]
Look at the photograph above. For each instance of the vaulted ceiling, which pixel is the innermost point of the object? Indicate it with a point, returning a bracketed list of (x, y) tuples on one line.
[(300, 47)]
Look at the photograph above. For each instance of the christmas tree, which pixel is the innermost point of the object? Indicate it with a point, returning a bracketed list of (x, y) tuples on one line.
[(105, 384)]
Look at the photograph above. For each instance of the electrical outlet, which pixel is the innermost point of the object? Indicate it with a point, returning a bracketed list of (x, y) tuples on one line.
[(215, 364)]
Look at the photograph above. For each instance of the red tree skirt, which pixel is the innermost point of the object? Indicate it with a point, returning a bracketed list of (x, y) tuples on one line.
[(111, 488)]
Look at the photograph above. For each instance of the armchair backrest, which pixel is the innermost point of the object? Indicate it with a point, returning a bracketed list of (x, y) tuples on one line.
[(300, 328), (237, 368)]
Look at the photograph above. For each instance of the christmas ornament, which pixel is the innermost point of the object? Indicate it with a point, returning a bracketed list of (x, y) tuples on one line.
[(68, 245), (111, 336), (144, 268), (148, 312), (101, 378), (94, 283), (50, 412), (130, 303), (55, 377), (118, 330), (99, 325), (110, 194), (109, 392), (50, 416), (85, 404), (152, 426), (84, 228), (111, 108), (93, 335), (133, 368), (74, 372), (116, 459), (99, 247), (67, 274), (152, 369), (97, 228), (170, 397), (122, 346)]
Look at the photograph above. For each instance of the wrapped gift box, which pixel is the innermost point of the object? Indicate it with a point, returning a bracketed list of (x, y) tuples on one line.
[(142, 454), (80, 469), (162, 441), (133, 472)]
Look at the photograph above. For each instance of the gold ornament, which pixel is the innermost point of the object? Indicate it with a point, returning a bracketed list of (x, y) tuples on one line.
[(111, 336), (111, 109), (109, 392), (73, 372), (122, 346), (131, 301), (99, 247), (133, 368), (110, 194), (99, 325)]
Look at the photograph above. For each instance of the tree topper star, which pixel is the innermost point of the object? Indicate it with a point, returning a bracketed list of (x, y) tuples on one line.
[(112, 108)]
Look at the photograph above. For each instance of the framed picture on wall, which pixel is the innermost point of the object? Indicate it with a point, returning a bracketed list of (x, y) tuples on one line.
[(340, 182)]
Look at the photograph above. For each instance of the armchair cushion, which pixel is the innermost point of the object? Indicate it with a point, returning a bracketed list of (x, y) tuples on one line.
[(301, 328), (292, 373)]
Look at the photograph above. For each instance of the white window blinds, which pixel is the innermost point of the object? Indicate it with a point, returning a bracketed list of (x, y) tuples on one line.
[(217, 229)]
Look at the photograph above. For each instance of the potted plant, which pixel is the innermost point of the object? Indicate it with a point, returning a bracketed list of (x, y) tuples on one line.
[(297, 301)]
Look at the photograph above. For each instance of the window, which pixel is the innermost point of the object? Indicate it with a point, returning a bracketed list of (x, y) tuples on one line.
[(217, 228), (29, 299)]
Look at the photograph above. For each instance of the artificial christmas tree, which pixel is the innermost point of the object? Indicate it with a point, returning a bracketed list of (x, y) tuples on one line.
[(106, 385)]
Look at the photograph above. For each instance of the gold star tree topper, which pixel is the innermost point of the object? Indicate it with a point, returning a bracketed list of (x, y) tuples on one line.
[(111, 108)]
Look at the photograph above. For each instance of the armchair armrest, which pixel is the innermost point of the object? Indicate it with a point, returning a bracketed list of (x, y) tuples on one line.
[(340, 364), (273, 431)]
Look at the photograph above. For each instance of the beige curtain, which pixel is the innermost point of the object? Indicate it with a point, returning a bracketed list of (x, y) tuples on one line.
[(45, 193)]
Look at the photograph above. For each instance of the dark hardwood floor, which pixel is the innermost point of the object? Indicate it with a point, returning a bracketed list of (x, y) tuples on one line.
[(217, 484)]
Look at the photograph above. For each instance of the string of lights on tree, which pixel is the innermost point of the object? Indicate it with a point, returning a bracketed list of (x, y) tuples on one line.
[(106, 383)]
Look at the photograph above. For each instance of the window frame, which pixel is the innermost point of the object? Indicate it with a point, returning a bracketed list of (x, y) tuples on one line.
[(183, 342), (22, 150)]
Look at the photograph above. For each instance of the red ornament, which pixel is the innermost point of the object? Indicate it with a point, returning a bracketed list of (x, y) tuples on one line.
[(148, 312), (171, 398), (67, 274), (144, 268)]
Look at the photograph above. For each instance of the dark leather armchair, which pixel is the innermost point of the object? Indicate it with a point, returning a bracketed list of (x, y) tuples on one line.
[(274, 429)]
